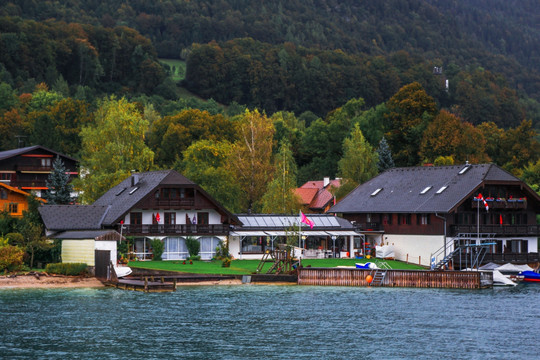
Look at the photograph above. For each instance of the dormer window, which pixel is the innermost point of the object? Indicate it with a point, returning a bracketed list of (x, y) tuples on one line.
[(442, 189), (376, 192)]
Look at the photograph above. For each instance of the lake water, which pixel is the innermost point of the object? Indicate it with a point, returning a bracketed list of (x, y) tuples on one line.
[(270, 322)]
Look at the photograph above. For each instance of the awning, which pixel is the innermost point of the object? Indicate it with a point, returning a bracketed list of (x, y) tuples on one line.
[(277, 233), (343, 233), (248, 233)]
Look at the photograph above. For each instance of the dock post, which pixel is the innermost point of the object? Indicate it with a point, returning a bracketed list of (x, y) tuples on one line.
[(146, 284)]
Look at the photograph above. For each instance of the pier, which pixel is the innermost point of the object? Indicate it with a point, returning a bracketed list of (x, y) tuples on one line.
[(395, 278)]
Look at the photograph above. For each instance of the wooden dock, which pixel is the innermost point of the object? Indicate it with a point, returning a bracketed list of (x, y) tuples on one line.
[(145, 285), (395, 278)]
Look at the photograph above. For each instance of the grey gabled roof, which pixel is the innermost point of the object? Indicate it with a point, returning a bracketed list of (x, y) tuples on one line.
[(15, 152), (129, 192), (401, 189), (72, 217)]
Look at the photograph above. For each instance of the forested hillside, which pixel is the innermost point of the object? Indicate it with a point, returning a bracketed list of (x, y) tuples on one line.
[(313, 86), (500, 35)]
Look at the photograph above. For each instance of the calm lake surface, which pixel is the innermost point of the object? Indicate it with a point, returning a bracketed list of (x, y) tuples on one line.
[(270, 322)]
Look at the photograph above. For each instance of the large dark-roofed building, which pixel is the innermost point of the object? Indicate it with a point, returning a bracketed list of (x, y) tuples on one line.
[(421, 209)]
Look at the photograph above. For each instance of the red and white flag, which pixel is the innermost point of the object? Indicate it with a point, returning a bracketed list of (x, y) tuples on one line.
[(305, 220), (481, 198)]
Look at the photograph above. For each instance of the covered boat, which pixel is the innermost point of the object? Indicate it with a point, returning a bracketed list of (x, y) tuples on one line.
[(530, 276)]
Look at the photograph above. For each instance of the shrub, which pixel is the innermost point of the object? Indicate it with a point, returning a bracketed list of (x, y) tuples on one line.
[(193, 246), (157, 249), (222, 251), (66, 268), (15, 239), (11, 258), (226, 262)]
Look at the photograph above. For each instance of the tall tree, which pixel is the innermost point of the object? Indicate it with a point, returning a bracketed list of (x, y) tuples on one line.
[(112, 147), (447, 136), (385, 160), (280, 196), (251, 155), (409, 112), (205, 163), (60, 189), (359, 161)]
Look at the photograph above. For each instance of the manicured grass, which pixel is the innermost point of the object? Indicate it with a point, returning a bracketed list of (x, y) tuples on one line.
[(178, 68), (241, 267)]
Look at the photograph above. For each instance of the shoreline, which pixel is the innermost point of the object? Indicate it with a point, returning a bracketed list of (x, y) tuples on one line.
[(46, 281)]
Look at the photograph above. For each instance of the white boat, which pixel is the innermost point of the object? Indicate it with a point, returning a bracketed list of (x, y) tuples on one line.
[(122, 271), (500, 280)]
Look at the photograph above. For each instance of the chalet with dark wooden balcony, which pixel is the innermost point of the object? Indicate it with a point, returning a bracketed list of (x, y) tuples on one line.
[(428, 213), (28, 168), (161, 205)]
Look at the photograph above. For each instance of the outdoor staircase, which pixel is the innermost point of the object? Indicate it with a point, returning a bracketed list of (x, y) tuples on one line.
[(470, 255), (378, 277)]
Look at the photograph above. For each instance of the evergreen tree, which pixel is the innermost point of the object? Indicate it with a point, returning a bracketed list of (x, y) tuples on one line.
[(385, 156), (60, 189)]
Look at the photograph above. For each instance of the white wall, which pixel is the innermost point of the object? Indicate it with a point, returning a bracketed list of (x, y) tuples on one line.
[(108, 245), (416, 249)]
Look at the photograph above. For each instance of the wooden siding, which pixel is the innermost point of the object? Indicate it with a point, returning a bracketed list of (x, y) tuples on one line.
[(14, 198), (395, 278), (78, 251)]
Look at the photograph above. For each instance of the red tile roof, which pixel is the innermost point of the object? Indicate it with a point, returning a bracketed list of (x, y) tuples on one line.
[(315, 195)]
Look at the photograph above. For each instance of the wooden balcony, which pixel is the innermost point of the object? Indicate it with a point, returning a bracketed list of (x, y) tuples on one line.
[(501, 204), (372, 226), (34, 168), (499, 230), (174, 230), (187, 202)]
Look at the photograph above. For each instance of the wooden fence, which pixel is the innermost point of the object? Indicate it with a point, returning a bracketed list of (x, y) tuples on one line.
[(396, 278)]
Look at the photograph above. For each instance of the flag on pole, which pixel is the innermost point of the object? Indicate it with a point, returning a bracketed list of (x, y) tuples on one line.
[(305, 220), (157, 217), (481, 198)]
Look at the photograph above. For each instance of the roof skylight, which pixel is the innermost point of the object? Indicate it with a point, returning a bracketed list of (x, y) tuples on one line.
[(425, 190), (376, 192), (464, 170), (134, 189), (442, 189)]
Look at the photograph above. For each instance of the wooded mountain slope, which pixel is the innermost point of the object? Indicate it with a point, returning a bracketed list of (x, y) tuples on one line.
[(500, 35)]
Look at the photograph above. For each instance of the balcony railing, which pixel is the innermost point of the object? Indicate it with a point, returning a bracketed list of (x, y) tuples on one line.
[(175, 230), (175, 202), (501, 204), (36, 168), (371, 226), (523, 230), (28, 183)]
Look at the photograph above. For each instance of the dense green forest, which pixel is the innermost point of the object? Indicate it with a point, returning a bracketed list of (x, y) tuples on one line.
[(317, 85)]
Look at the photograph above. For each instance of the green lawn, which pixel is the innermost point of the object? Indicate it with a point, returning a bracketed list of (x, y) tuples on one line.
[(240, 267), (178, 68)]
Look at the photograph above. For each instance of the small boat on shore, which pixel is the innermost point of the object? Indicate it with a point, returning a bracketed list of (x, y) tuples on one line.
[(122, 271)]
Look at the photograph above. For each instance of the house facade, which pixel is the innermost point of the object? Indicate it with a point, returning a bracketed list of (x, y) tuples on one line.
[(430, 212), (28, 168), (330, 236), (162, 205), (13, 201)]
